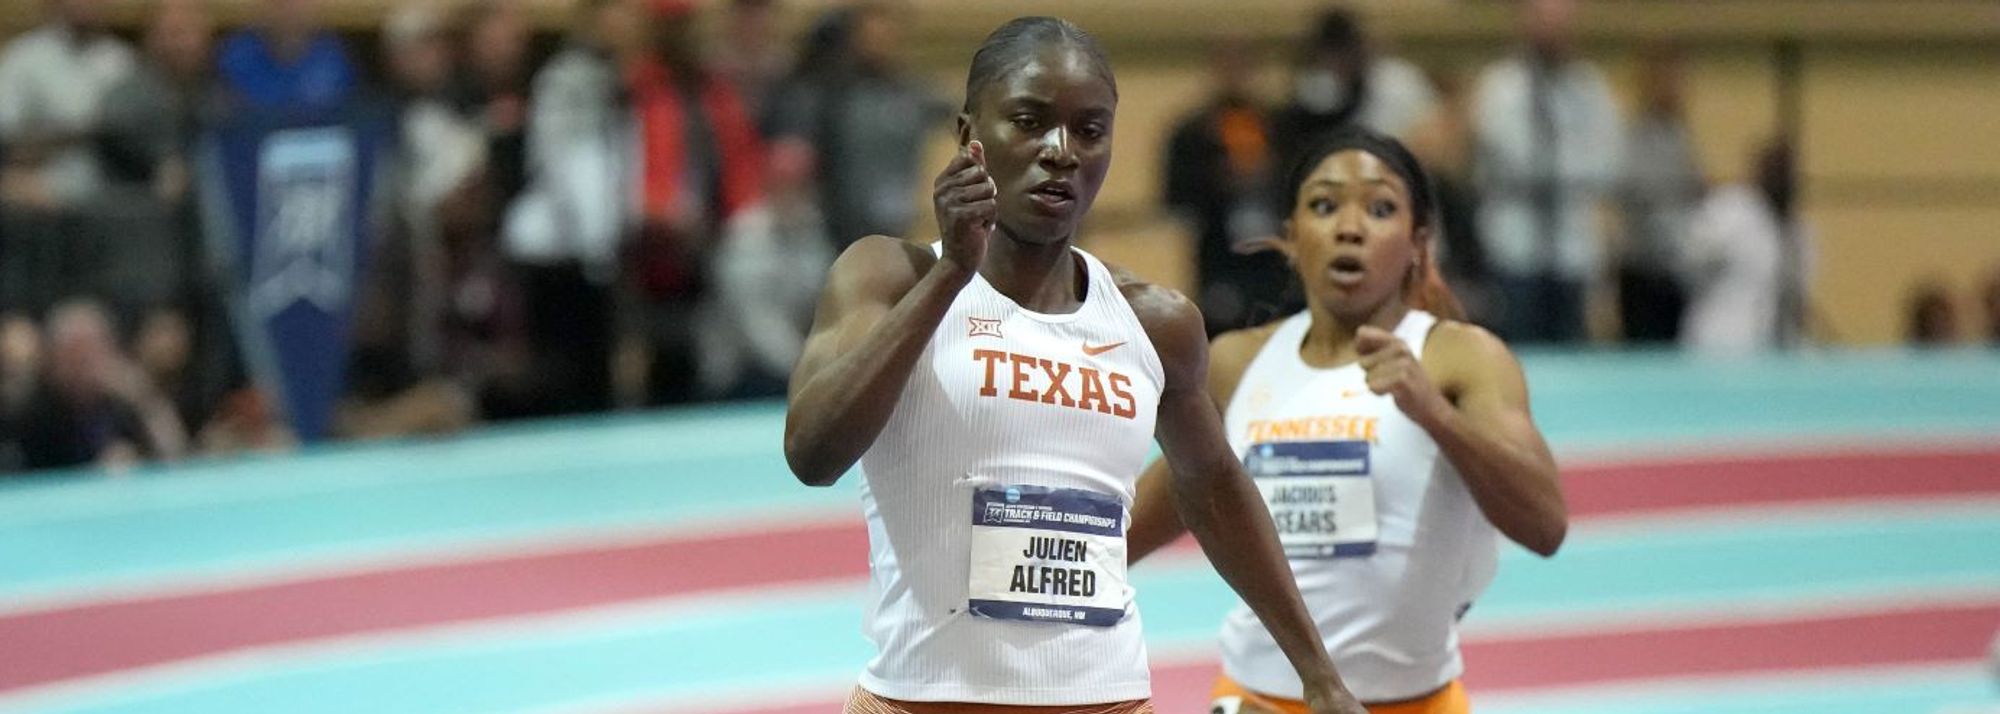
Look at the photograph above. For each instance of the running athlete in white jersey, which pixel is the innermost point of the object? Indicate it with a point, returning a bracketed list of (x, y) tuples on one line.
[(1390, 444), (1001, 393)]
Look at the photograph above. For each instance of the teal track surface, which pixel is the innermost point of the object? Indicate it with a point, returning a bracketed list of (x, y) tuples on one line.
[(238, 586)]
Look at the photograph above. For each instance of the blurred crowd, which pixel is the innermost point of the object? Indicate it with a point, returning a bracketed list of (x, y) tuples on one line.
[(1564, 219), (639, 210), (627, 214)]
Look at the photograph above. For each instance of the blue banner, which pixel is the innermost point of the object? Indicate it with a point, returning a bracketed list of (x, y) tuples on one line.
[(292, 214)]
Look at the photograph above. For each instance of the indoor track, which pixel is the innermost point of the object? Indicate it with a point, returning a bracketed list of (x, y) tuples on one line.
[(1815, 534)]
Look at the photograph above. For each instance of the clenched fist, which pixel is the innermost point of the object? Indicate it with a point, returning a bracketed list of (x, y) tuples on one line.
[(1393, 370), (967, 206)]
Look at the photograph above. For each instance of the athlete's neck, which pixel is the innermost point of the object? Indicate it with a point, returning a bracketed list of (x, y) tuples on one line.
[(1040, 277), (1329, 339)]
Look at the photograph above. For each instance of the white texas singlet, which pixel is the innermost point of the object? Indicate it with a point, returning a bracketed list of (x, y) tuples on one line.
[(997, 499), (1388, 547)]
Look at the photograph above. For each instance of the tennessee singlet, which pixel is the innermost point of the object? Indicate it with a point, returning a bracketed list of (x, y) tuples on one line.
[(1384, 538)]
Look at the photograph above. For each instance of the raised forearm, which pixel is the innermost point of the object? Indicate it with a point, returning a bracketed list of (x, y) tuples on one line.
[(1513, 482), (839, 409)]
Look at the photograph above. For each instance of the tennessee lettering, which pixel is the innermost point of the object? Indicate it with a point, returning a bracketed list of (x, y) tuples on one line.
[(1035, 379), (1347, 428)]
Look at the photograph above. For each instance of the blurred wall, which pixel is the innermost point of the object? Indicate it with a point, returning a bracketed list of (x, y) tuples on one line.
[(1899, 108)]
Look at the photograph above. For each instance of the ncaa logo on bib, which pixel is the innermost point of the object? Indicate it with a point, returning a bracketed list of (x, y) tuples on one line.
[(1256, 457), (1013, 495)]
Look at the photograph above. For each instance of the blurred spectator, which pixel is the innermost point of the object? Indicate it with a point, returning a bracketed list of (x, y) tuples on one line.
[(442, 157), (149, 222), (1220, 175), (287, 61), (1662, 186), (1443, 141), (486, 345), (768, 269), (1342, 79), (20, 372), (144, 229), (151, 118), (1749, 259), (1933, 319), (1548, 148), (491, 89), (562, 234), (164, 350), (398, 382), (852, 100), (700, 160), (53, 81), (822, 50), (93, 404), (752, 55)]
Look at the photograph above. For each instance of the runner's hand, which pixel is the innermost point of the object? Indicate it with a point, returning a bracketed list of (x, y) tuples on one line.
[(967, 206), (1393, 370)]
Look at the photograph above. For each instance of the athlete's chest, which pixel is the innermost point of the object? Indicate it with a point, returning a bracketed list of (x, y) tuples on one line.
[(1288, 403), (1081, 365), (1328, 422), (1080, 369)]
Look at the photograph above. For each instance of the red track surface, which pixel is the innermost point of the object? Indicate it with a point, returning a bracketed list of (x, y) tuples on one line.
[(1954, 633), (104, 637)]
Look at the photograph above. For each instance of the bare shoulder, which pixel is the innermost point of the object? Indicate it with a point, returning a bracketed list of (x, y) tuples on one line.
[(1163, 311), (1179, 335), (1229, 358), (879, 267), (1172, 323), (1243, 344), (1460, 354), (1463, 340)]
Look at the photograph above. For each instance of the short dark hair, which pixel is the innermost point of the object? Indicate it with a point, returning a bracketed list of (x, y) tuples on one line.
[(1390, 151), (1014, 43)]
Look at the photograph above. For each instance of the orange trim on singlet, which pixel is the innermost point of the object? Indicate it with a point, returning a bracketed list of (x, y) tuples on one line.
[(1449, 699), (863, 701)]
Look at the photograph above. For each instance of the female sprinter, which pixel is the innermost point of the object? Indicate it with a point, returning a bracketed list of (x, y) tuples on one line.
[(1389, 441), (1000, 392)]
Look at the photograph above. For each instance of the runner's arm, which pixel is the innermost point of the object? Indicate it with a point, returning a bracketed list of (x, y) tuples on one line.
[(1217, 500), (1155, 522), (883, 300), (1490, 437)]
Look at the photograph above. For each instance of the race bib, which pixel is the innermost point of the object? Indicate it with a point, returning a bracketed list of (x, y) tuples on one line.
[(1320, 495), (1048, 555)]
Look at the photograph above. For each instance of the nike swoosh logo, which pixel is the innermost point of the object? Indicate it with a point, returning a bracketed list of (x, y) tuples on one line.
[(1100, 349)]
